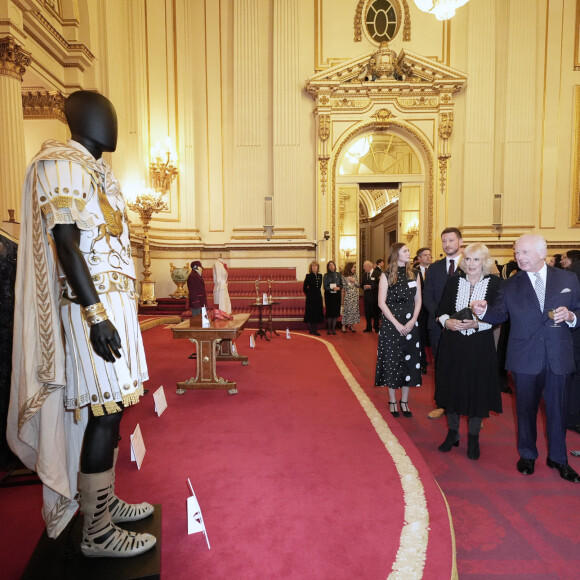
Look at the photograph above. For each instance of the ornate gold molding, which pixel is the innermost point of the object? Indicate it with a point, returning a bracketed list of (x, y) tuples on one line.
[(446, 125), (382, 119), (324, 127), (443, 172), (358, 18), (13, 58), (43, 105), (323, 161)]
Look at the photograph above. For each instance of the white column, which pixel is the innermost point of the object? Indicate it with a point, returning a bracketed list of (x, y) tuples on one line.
[(479, 115), (13, 63), (520, 170), (249, 165), (286, 112)]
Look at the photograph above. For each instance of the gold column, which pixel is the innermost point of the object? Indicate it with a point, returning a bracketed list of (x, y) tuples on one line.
[(13, 63)]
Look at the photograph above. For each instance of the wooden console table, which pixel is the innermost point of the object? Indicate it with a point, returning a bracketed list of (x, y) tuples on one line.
[(263, 332), (212, 344)]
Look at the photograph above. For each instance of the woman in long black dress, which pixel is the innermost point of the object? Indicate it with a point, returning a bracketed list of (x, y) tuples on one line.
[(312, 287), (466, 372), (399, 352), (332, 296)]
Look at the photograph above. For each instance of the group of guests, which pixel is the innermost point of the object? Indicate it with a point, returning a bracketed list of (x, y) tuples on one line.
[(465, 298), (341, 292)]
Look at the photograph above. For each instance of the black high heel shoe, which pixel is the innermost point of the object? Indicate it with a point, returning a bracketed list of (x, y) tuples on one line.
[(405, 409), (395, 412), (473, 446), (452, 440)]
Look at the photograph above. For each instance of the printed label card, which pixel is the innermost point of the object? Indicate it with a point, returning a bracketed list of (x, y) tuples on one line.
[(160, 401), (234, 349), (137, 446), (288, 337), (252, 341), (195, 521), (265, 298)]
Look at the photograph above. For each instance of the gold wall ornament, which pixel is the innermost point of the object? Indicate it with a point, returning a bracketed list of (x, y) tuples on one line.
[(146, 204), (324, 127), (43, 105), (446, 125), (443, 172), (14, 60), (383, 117), (358, 18), (358, 21), (163, 166), (323, 161), (382, 62)]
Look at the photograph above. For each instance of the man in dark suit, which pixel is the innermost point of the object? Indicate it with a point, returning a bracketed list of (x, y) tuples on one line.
[(424, 261), (437, 276), (370, 303), (540, 351), (379, 265)]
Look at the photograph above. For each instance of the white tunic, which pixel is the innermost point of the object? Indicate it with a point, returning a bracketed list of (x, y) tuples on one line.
[(221, 296)]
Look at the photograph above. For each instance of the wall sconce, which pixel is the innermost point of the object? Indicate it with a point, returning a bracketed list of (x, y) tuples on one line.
[(412, 229), (163, 166), (348, 245)]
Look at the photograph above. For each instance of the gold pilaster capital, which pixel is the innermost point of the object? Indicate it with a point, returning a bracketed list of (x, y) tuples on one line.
[(13, 58)]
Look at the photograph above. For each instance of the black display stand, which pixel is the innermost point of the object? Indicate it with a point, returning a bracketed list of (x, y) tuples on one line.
[(61, 559)]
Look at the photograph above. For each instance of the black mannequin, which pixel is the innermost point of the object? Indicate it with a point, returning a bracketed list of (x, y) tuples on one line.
[(93, 123)]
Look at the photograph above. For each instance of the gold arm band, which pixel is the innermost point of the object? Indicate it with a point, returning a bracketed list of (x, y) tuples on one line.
[(95, 313)]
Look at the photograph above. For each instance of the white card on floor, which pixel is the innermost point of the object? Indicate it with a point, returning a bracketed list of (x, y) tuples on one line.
[(160, 401), (252, 341), (234, 349), (194, 518), (137, 446), (288, 334)]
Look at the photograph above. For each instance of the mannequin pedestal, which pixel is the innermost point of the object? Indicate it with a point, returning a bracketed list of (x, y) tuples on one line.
[(61, 559)]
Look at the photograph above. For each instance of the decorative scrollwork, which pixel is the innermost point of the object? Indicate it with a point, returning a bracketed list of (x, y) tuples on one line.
[(43, 105), (358, 21), (324, 127), (383, 117), (14, 60), (446, 125)]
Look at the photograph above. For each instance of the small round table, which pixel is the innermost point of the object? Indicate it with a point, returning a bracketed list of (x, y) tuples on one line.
[(263, 332)]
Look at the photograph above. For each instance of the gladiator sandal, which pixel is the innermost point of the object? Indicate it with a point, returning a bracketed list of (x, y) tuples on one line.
[(101, 538), (126, 512)]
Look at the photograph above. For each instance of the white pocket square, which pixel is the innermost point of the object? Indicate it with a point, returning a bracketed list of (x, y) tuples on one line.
[(565, 290)]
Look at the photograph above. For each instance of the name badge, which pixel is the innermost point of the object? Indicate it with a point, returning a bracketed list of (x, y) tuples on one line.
[(413, 284), (372, 277)]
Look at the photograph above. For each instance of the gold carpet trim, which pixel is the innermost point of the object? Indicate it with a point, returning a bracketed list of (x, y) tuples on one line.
[(454, 573), (411, 555)]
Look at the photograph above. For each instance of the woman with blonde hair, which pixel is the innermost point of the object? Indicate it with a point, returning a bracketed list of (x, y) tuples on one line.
[(312, 287), (466, 370), (399, 352)]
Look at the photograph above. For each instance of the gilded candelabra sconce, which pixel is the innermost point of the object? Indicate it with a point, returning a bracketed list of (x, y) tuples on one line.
[(163, 166), (412, 229), (146, 204)]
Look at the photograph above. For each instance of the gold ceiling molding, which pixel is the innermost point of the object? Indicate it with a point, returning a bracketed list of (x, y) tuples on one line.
[(43, 105), (69, 54), (358, 18), (14, 60)]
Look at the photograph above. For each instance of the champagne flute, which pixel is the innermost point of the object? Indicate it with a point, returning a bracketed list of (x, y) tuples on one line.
[(551, 316)]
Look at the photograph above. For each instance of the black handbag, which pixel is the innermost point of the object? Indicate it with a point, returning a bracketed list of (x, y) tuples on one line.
[(463, 314)]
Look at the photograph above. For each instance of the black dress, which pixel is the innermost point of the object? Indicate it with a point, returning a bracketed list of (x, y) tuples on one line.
[(313, 311), (466, 371), (332, 299), (399, 357)]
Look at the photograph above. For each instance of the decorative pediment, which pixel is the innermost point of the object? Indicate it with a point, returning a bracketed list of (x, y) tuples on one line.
[(383, 70)]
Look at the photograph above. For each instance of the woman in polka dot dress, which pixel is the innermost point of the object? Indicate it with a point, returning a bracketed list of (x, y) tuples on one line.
[(399, 352)]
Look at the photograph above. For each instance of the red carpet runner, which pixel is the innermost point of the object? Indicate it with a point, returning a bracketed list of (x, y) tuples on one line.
[(298, 476)]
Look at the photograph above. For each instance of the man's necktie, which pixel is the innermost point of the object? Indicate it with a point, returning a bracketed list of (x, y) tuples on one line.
[(451, 267), (540, 290)]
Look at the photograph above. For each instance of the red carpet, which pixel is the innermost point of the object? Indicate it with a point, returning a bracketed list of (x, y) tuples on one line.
[(507, 525), (293, 479)]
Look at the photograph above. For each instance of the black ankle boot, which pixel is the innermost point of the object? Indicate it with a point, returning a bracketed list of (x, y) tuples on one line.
[(473, 446), (452, 440)]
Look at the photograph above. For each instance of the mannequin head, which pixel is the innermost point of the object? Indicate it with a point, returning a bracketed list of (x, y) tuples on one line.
[(92, 121)]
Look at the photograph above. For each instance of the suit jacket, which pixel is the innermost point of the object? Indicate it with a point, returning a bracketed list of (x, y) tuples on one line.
[(532, 338), (435, 281)]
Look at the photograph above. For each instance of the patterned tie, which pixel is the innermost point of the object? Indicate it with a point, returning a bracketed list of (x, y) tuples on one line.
[(451, 267), (540, 290)]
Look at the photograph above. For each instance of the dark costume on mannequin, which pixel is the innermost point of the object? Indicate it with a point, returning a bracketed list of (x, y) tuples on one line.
[(75, 244), (196, 288)]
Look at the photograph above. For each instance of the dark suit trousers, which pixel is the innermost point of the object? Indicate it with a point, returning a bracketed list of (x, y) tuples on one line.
[(370, 307), (556, 391), (434, 336), (376, 310)]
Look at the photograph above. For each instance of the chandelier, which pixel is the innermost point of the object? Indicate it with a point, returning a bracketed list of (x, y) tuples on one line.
[(442, 9)]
